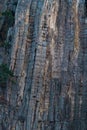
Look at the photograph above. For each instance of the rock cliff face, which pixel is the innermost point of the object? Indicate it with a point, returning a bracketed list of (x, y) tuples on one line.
[(49, 61)]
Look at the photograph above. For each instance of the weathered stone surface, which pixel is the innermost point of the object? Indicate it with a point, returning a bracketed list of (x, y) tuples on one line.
[(49, 61)]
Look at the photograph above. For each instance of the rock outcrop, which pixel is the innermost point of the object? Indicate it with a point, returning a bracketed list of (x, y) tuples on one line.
[(49, 61)]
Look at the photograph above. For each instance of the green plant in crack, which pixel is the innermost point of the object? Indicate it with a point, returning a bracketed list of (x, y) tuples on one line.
[(9, 15), (6, 45), (5, 74)]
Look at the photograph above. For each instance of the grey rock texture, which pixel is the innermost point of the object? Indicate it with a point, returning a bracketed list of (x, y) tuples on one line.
[(49, 61)]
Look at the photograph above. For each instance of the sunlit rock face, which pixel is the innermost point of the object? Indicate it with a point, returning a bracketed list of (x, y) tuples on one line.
[(49, 60)]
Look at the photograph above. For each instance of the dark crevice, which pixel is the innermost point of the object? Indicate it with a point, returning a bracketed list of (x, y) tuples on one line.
[(85, 8)]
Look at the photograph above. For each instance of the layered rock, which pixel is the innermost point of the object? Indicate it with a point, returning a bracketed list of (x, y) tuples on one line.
[(49, 64)]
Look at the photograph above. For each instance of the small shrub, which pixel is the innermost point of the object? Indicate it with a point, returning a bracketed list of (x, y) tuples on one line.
[(6, 45), (9, 15), (5, 73)]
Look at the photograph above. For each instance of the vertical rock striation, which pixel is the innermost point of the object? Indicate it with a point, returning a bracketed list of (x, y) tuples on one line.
[(49, 56)]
